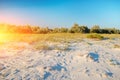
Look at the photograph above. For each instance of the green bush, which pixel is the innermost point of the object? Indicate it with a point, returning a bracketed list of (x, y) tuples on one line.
[(95, 36)]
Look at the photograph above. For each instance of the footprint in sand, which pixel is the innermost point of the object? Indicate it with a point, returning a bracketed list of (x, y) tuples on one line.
[(93, 56), (58, 67), (46, 75), (109, 74)]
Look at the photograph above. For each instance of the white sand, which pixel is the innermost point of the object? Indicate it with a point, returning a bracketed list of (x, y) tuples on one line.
[(86, 60)]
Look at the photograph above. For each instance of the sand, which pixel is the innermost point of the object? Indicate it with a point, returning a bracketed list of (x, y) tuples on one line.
[(84, 60)]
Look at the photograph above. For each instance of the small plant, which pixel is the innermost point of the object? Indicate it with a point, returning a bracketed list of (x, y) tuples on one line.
[(41, 46), (62, 47), (95, 36), (116, 46)]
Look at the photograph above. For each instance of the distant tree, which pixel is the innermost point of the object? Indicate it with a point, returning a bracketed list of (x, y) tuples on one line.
[(117, 31), (75, 28), (79, 29), (95, 29), (84, 29), (63, 30), (56, 30), (35, 29), (24, 29), (44, 30), (104, 31), (71, 31)]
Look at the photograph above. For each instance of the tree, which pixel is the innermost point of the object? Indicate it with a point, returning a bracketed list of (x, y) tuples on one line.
[(56, 30), (75, 28), (79, 29), (95, 29), (84, 29), (63, 30)]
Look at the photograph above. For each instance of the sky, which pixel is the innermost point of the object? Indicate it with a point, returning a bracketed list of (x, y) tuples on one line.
[(61, 13)]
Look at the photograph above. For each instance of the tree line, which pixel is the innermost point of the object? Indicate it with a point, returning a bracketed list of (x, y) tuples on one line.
[(76, 28)]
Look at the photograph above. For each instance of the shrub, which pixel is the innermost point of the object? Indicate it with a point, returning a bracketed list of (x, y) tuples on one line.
[(95, 36)]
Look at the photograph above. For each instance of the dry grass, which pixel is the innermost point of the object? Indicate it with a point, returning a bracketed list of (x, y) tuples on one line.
[(55, 37), (110, 36), (116, 46)]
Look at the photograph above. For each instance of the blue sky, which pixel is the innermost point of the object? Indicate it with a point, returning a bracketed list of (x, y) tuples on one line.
[(61, 13)]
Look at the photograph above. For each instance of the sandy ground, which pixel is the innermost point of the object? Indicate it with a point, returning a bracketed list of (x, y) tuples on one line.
[(84, 60)]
